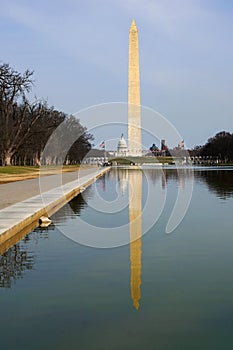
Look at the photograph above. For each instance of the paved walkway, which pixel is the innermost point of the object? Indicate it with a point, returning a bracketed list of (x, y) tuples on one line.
[(24, 202), (14, 192)]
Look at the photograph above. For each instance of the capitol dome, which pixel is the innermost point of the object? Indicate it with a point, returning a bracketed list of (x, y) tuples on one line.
[(122, 147)]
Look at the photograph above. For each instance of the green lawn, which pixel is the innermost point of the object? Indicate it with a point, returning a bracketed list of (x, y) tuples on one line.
[(18, 169), (30, 169), (129, 160)]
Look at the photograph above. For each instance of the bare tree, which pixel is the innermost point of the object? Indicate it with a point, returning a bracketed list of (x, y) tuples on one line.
[(25, 128), (13, 89)]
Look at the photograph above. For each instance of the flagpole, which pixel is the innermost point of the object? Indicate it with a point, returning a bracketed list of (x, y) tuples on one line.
[(102, 145)]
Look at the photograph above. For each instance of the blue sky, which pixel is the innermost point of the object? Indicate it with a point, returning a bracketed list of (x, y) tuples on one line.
[(79, 52)]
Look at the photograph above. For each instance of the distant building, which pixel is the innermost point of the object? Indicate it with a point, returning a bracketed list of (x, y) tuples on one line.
[(122, 149), (163, 145)]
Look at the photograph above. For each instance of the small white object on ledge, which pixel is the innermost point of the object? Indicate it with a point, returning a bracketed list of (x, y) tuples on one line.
[(44, 221)]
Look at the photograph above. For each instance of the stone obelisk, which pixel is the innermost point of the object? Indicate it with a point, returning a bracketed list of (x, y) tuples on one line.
[(134, 110)]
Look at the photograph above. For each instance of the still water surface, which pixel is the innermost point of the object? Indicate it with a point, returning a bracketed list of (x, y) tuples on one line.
[(162, 291)]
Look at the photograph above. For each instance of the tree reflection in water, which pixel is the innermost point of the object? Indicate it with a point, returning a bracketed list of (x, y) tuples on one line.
[(15, 255), (18, 258), (219, 181), (14, 263)]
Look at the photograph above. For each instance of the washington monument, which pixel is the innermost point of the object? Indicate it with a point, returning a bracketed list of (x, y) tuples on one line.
[(134, 111)]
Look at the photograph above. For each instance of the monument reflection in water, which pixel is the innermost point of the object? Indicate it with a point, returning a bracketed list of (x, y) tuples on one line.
[(133, 180), (135, 219)]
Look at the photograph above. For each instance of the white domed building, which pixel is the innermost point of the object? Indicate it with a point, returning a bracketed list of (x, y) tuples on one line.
[(122, 149)]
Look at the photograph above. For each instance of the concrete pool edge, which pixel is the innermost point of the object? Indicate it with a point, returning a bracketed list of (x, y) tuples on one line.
[(20, 218)]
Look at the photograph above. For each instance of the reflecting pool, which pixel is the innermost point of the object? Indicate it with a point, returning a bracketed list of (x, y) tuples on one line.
[(153, 290)]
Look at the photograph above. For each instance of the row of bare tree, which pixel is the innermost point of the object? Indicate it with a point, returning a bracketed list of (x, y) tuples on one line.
[(34, 133)]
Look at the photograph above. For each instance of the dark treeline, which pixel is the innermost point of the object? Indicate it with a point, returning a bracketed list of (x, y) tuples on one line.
[(220, 147), (26, 127)]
